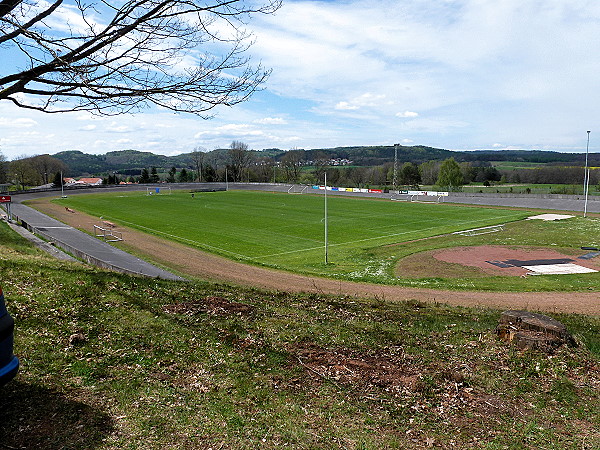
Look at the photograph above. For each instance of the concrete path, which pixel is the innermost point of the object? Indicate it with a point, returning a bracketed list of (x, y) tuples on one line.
[(84, 246)]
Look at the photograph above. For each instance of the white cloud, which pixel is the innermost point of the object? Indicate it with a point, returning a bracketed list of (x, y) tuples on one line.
[(115, 127), (17, 123), (88, 127), (407, 114), (346, 106), (271, 121)]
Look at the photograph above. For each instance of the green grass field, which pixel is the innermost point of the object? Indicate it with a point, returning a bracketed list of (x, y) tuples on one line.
[(287, 231)]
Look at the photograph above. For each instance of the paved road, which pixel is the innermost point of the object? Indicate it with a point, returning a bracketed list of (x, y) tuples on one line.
[(100, 253), (557, 203), (86, 247)]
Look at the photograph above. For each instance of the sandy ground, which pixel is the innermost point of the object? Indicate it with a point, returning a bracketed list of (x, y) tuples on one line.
[(479, 256), (206, 266)]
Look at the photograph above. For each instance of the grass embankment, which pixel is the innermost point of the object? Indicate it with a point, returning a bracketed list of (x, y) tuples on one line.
[(111, 361)]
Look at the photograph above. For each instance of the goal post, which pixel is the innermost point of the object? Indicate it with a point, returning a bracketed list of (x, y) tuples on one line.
[(297, 189), (158, 190)]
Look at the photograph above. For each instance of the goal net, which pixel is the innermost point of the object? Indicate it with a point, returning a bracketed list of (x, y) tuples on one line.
[(297, 189), (158, 190)]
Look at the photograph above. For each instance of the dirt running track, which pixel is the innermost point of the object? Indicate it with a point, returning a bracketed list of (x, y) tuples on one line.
[(206, 266)]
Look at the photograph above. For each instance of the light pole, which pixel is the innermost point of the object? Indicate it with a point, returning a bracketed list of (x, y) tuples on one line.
[(396, 166), (62, 186), (586, 176), (326, 231)]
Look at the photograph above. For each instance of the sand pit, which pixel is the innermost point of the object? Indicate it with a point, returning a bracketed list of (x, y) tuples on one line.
[(500, 260)]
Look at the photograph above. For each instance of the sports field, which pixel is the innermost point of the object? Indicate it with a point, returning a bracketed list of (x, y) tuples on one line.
[(287, 231)]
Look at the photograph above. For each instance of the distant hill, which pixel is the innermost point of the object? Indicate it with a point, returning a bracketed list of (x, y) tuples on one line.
[(80, 163), (131, 162)]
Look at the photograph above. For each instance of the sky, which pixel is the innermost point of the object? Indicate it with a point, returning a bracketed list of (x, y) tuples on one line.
[(453, 74)]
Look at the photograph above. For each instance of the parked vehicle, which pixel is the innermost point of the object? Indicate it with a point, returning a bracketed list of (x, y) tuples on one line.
[(9, 363)]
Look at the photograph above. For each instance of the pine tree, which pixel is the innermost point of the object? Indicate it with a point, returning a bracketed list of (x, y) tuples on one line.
[(145, 176), (183, 176), (154, 178)]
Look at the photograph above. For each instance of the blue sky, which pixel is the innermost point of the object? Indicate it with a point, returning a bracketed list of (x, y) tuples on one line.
[(455, 74)]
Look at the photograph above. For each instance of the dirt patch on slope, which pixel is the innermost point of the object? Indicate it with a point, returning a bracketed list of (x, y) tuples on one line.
[(211, 305), (207, 266)]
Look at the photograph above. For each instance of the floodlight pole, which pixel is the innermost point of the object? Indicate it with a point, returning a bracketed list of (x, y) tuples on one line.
[(62, 188), (586, 176), (226, 181), (326, 231), (395, 182)]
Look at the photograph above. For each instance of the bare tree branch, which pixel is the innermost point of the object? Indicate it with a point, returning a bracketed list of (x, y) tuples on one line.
[(109, 60)]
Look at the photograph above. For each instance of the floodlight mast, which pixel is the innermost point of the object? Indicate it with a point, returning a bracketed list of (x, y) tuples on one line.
[(586, 175), (326, 230), (62, 186), (395, 182)]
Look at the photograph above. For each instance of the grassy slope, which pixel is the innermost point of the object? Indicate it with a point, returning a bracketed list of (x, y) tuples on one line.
[(111, 361)]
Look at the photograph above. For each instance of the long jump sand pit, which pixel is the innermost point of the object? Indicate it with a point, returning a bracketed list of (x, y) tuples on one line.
[(516, 261)]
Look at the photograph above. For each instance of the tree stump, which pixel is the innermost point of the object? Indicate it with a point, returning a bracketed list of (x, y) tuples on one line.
[(527, 330)]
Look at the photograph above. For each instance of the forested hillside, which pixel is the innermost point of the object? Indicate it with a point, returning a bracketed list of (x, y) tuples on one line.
[(133, 161)]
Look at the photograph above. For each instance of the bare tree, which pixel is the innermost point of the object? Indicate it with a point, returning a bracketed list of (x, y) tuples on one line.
[(264, 169), (46, 166), (292, 163), (239, 159), (321, 162), (198, 161), (114, 57), (22, 172), (3, 169), (429, 172)]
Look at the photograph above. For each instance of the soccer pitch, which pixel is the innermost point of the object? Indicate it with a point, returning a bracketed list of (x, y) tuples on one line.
[(283, 230)]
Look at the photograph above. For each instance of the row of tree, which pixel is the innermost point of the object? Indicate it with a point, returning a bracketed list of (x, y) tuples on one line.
[(293, 168), (30, 171)]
